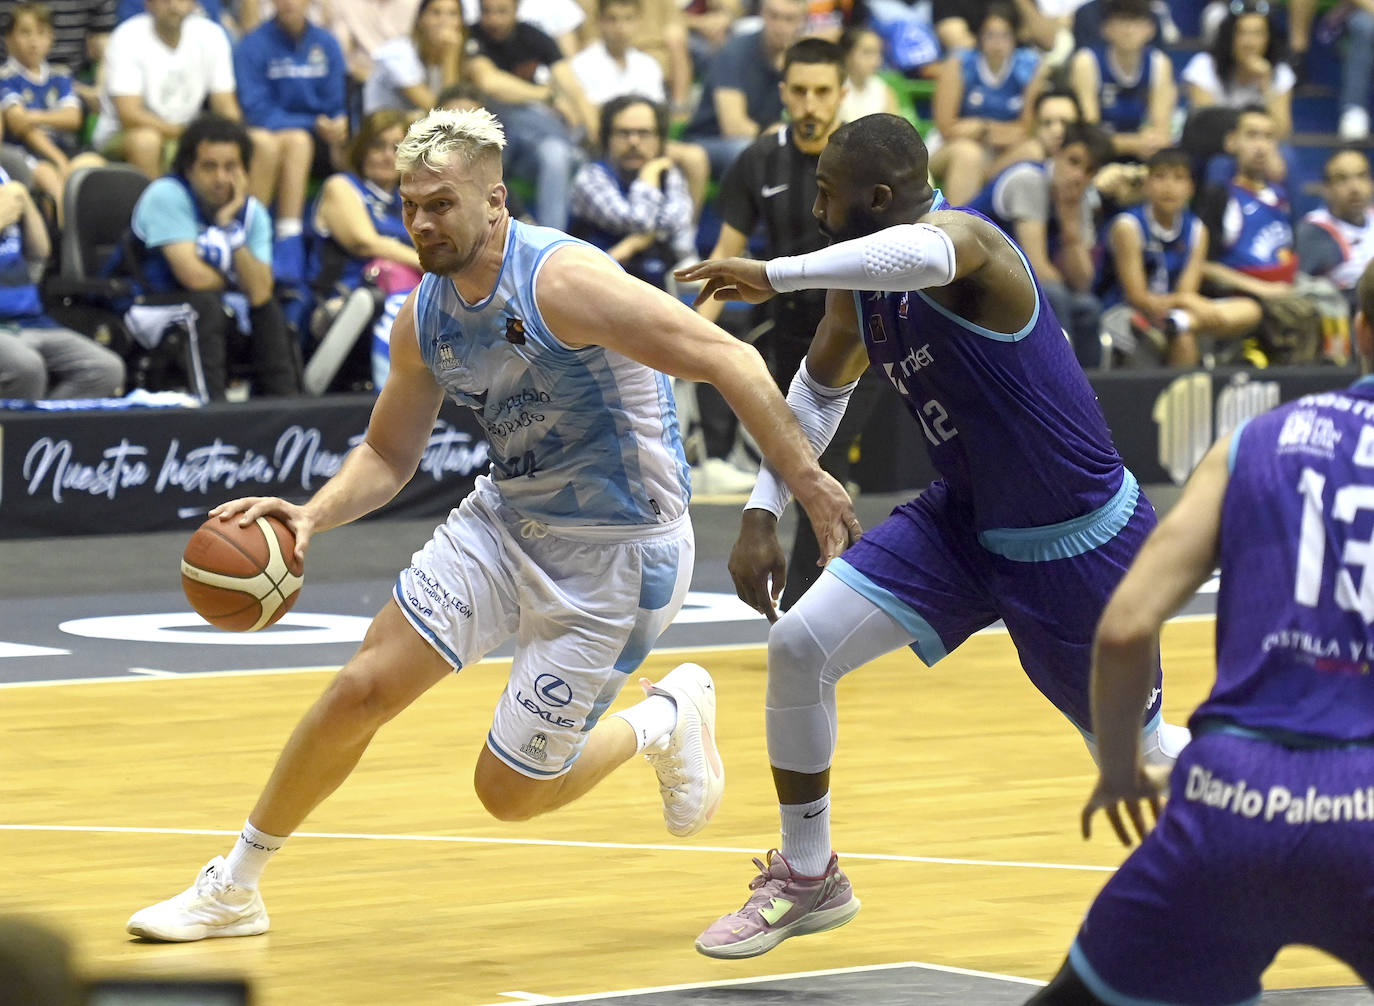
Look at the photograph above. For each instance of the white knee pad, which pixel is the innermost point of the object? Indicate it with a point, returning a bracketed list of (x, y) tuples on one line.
[(800, 704), (830, 631)]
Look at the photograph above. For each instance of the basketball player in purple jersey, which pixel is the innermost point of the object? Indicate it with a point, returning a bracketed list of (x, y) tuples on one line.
[(1266, 838), (1034, 519)]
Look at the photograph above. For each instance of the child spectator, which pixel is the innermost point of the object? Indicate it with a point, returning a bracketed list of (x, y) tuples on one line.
[(409, 72), (980, 103), (1154, 268), (865, 91), (1051, 209), (1125, 83), (1248, 217), (292, 85), (1244, 68), (42, 110)]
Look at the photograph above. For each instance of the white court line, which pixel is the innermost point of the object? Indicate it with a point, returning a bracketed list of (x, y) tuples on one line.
[(786, 976), (153, 672), (143, 674), (554, 843)]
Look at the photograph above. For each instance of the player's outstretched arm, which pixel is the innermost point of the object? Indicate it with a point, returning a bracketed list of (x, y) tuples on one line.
[(896, 259), (586, 299), (375, 470), (1176, 559)]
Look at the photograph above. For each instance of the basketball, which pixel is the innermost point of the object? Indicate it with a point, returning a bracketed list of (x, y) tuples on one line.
[(241, 578)]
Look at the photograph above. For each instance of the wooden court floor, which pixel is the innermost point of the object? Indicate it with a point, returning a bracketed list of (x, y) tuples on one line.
[(957, 794)]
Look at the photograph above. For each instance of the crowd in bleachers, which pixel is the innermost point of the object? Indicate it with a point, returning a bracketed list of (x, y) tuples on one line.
[(1187, 180)]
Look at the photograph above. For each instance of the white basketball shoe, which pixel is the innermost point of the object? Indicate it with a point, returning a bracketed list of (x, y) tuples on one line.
[(213, 906), (691, 777)]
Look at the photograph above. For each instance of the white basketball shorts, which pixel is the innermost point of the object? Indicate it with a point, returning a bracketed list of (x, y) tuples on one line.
[(584, 604)]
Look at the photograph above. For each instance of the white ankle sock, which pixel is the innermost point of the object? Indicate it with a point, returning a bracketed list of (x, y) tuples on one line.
[(652, 720), (250, 854), (806, 835), (288, 227)]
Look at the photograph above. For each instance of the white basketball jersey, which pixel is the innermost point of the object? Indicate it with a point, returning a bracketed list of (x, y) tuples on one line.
[(578, 437)]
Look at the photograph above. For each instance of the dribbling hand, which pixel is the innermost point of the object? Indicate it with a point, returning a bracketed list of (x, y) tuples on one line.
[(250, 508), (1146, 788)]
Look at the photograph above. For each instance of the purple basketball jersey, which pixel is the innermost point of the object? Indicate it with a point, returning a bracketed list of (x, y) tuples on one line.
[(1294, 639), (1010, 421)]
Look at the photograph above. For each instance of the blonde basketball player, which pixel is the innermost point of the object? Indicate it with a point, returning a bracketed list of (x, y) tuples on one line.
[(578, 543)]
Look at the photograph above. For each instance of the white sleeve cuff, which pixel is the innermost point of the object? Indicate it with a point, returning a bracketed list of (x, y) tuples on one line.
[(897, 259), (819, 410)]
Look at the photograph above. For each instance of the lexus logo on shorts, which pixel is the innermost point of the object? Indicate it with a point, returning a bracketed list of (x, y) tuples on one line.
[(553, 690)]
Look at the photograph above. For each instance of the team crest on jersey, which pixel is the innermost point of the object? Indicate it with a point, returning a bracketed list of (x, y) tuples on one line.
[(903, 306), (515, 331), (445, 357), (876, 331), (536, 749)]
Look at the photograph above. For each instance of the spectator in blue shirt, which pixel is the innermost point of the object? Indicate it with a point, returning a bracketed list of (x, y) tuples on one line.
[(38, 357), (204, 248), (292, 83), (982, 103), (42, 111)]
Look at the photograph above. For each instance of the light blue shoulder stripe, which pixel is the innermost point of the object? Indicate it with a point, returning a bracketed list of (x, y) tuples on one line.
[(1234, 449), (988, 333), (1112, 997), (926, 643), (1067, 538)]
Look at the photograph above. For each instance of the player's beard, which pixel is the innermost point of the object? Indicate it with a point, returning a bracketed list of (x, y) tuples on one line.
[(809, 129), (859, 223)]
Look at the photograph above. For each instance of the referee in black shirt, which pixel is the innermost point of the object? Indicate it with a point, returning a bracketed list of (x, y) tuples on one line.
[(771, 189)]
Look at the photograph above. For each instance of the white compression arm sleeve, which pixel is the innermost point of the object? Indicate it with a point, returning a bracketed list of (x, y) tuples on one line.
[(818, 410), (901, 258)]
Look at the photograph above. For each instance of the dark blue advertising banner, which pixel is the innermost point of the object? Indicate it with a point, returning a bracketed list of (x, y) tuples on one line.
[(128, 470)]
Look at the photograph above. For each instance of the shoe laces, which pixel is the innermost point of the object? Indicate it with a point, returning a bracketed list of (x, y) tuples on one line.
[(767, 883), (531, 528), (213, 880)]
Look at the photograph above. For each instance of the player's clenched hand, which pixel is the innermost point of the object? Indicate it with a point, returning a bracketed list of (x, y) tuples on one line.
[(1146, 788), (250, 508), (756, 562), (728, 279)]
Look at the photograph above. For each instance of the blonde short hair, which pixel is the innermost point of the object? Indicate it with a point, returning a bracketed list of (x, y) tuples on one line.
[(431, 142)]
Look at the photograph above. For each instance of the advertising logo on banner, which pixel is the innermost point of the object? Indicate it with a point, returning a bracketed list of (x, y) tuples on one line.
[(105, 472), (1187, 424)]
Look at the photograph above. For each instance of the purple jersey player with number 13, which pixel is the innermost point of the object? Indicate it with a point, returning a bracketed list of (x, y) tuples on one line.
[(1033, 520), (1269, 827)]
